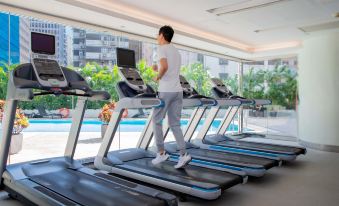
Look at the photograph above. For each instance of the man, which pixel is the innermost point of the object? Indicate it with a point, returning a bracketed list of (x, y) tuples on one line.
[(170, 91)]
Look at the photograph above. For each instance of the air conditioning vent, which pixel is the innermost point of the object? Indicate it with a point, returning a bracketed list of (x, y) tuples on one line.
[(243, 6)]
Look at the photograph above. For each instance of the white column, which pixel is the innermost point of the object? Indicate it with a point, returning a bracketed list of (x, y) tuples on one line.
[(319, 92)]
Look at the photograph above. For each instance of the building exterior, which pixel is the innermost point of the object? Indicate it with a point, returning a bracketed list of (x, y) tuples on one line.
[(60, 36), (149, 53), (96, 47), (79, 47), (188, 57), (25, 40), (137, 47), (69, 49), (9, 39)]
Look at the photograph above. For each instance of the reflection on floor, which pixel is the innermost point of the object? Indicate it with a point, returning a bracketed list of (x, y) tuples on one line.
[(311, 180)]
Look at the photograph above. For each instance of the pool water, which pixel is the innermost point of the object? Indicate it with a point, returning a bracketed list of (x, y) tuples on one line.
[(93, 125)]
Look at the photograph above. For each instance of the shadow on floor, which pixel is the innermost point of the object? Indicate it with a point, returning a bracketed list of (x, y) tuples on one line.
[(268, 179), (226, 197), (295, 164)]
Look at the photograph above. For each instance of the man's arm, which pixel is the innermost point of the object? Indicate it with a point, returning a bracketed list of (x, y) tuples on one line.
[(163, 68)]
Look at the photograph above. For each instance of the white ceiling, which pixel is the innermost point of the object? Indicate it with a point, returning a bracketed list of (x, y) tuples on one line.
[(231, 34), (276, 23)]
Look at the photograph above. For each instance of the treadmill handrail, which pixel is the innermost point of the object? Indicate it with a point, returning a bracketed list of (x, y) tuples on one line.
[(228, 102), (259, 102), (136, 103)]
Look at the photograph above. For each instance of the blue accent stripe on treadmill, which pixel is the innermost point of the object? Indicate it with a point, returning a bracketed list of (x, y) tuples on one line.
[(206, 190), (243, 151), (211, 164), (279, 154)]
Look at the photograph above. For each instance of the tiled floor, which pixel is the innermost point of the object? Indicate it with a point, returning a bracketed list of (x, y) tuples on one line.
[(312, 180)]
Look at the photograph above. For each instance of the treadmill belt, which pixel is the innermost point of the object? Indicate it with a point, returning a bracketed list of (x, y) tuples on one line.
[(56, 197), (89, 190), (263, 146), (166, 170), (243, 159)]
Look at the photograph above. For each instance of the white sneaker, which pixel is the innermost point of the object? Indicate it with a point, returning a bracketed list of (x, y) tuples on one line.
[(183, 161), (160, 158)]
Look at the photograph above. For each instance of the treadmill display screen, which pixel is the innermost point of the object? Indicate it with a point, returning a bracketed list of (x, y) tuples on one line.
[(48, 69), (42, 43), (125, 58)]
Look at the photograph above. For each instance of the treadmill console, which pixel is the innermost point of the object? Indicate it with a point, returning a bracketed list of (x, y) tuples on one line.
[(128, 71), (132, 78), (186, 87), (47, 71), (220, 86)]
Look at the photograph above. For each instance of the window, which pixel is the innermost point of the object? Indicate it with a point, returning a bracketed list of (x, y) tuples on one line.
[(92, 54), (93, 49), (274, 80)]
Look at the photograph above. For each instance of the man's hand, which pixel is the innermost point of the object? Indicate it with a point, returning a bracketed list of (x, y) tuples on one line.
[(156, 78), (162, 70)]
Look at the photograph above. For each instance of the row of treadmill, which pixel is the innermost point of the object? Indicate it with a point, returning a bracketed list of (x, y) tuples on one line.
[(127, 177)]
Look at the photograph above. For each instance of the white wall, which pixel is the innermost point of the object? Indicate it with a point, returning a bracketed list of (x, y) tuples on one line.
[(319, 90)]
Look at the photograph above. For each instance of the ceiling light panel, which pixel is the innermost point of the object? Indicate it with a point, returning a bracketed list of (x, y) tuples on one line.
[(320, 27)]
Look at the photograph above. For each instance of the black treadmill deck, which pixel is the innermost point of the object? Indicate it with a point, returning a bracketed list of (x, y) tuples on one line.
[(187, 176), (227, 141), (89, 190), (227, 158), (250, 161)]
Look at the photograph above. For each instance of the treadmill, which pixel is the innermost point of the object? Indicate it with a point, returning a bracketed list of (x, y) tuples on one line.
[(61, 180), (135, 163), (223, 142), (203, 156)]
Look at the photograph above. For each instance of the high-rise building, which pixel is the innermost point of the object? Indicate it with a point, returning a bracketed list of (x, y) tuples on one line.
[(79, 47), (69, 40), (24, 33), (137, 47), (188, 57), (59, 31), (96, 47), (9, 39), (149, 53)]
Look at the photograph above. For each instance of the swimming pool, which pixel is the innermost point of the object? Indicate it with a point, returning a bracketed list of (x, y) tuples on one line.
[(93, 125)]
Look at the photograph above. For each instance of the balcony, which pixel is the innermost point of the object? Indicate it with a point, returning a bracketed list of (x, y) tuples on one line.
[(94, 43), (91, 55)]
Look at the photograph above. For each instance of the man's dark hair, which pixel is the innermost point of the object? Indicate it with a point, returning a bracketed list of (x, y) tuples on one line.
[(167, 32)]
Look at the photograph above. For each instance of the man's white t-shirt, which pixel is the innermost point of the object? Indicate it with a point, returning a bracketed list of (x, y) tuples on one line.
[(170, 82)]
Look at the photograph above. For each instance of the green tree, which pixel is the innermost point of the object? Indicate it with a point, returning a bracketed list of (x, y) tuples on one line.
[(232, 84), (197, 74), (254, 84), (4, 74), (100, 78), (147, 73), (282, 86), (279, 84)]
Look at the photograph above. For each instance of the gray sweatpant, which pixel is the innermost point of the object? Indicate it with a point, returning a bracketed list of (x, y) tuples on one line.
[(173, 107)]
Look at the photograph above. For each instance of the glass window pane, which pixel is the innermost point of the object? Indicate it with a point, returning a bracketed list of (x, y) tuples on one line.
[(274, 80)]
